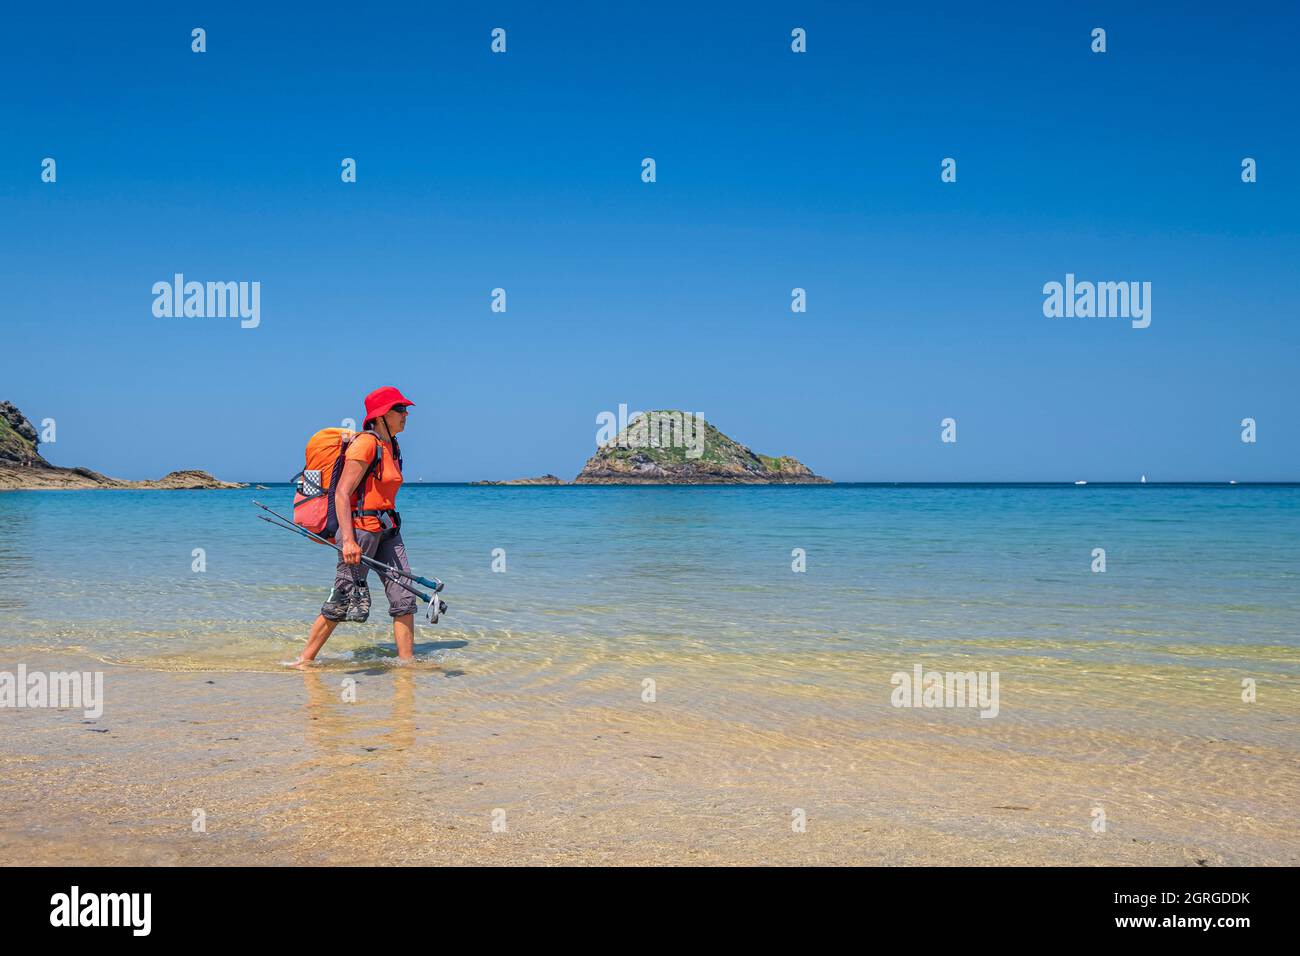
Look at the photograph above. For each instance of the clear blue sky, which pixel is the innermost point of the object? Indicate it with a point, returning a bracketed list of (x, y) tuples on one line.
[(775, 170)]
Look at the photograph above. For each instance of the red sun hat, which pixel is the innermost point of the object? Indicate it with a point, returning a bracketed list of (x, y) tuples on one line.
[(381, 400)]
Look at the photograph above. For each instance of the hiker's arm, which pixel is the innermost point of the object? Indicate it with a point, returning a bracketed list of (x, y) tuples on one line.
[(343, 494)]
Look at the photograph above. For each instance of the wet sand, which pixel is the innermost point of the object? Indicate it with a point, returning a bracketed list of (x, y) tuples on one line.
[(581, 770)]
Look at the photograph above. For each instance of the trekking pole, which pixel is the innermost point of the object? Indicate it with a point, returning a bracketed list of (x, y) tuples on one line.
[(437, 606), (380, 567), (435, 584)]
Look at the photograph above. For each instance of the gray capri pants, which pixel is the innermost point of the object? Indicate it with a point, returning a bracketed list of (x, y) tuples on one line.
[(385, 546)]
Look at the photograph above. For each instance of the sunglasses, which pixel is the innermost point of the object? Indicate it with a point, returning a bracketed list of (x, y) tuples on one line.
[(400, 409)]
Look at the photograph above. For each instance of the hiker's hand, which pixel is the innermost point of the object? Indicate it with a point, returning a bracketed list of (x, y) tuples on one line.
[(351, 552)]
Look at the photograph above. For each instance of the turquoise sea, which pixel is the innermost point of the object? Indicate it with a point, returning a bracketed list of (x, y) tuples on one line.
[(650, 680), (1202, 575)]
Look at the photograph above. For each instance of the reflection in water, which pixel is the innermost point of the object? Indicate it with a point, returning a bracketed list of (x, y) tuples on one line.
[(16, 541), (360, 731)]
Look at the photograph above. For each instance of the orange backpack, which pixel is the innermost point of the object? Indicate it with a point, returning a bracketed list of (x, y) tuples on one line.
[(313, 500)]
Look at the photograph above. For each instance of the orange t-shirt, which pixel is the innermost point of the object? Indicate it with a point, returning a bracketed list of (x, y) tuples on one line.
[(381, 487)]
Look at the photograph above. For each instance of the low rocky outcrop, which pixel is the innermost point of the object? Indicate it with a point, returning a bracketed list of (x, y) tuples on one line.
[(23, 468), (543, 480)]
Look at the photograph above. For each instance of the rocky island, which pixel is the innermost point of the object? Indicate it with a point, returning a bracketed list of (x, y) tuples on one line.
[(646, 453), (23, 468), (676, 448)]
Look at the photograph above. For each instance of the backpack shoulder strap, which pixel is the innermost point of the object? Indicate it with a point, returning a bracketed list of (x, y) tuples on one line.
[(374, 461)]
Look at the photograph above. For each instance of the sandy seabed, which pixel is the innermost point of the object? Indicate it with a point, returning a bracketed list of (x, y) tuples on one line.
[(570, 765)]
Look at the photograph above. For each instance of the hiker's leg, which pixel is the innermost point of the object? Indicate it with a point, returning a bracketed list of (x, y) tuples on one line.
[(404, 636), (320, 633), (401, 602), (391, 551)]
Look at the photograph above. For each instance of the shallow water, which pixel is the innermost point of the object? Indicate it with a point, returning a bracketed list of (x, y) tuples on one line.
[(604, 584), (771, 689), (1195, 574)]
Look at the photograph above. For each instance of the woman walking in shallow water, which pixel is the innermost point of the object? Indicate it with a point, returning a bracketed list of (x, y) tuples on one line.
[(368, 523)]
